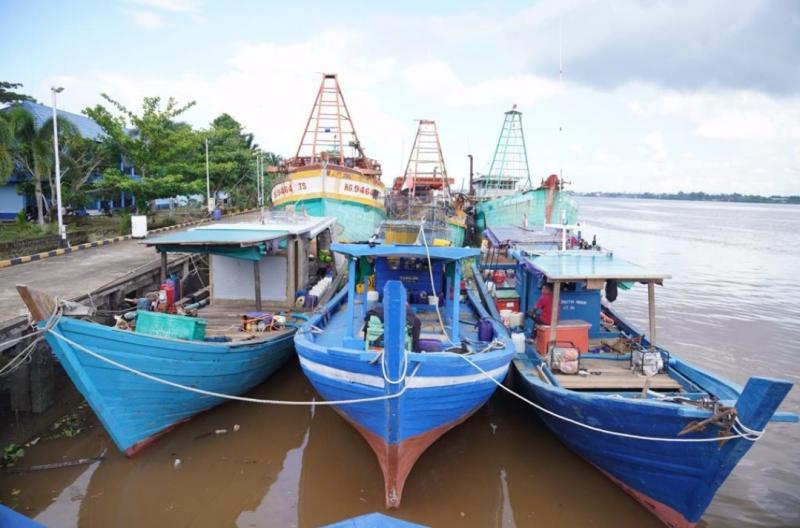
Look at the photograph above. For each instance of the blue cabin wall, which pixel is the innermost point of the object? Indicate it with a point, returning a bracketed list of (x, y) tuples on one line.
[(416, 280)]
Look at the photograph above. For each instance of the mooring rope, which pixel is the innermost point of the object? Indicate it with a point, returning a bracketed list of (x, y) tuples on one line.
[(228, 396), (745, 432), (740, 430)]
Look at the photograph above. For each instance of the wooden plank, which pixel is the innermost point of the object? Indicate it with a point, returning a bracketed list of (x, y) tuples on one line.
[(613, 381), (39, 304)]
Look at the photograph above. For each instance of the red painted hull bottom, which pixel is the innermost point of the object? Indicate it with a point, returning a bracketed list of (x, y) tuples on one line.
[(668, 515), (141, 444), (397, 460)]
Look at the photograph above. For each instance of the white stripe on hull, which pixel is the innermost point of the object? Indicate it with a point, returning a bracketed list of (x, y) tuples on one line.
[(412, 382)]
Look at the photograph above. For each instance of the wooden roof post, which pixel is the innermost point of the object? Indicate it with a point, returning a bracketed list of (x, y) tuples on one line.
[(551, 342), (163, 274), (651, 307), (257, 281)]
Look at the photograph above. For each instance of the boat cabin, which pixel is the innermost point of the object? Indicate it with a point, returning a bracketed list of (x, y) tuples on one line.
[(586, 344), (258, 268), (432, 279)]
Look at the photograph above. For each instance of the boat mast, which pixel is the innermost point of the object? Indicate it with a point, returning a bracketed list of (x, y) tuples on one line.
[(329, 128), (510, 161), (425, 164)]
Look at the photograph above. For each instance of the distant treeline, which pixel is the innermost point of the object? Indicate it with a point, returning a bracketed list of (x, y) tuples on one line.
[(700, 196)]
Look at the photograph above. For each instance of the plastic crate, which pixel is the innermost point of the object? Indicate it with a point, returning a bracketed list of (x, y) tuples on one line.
[(168, 325)]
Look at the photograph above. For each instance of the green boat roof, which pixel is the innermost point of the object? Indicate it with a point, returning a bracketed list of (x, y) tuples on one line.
[(586, 265)]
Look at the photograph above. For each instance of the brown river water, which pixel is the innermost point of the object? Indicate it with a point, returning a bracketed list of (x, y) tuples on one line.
[(732, 306)]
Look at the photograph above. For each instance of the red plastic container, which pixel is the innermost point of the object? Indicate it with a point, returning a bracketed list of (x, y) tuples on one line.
[(169, 289), (572, 331)]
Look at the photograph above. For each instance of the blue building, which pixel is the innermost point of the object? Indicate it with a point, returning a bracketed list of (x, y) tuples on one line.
[(12, 202)]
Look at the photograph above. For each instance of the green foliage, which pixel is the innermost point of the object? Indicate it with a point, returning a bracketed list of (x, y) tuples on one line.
[(7, 96), (156, 144), (12, 453), (125, 223), (6, 137), (21, 219)]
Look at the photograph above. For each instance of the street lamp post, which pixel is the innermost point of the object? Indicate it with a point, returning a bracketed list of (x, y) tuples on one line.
[(209, 203), (62, 232)]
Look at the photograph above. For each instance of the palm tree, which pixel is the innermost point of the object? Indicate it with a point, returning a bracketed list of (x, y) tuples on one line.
[(6, 136), (32, 150)]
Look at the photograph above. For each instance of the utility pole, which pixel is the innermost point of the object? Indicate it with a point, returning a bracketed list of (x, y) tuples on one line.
[(62, 231)]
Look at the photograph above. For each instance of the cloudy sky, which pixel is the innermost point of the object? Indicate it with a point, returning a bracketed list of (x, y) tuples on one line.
[(656, 96)]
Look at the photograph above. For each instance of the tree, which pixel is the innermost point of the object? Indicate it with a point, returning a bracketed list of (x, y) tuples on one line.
[(158, 147), (6, 137), (32, 150), (7, 96)]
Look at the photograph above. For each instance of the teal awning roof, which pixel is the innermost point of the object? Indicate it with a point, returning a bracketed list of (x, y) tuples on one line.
[(585, 265), (398, 250), (245, 244), (217, 237)]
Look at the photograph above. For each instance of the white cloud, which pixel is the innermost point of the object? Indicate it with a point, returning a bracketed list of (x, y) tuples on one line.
[(173, 6), (731, 116), (147, 19), (654, 147)]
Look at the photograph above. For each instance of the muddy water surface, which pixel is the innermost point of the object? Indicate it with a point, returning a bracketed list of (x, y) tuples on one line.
[(732, 306)]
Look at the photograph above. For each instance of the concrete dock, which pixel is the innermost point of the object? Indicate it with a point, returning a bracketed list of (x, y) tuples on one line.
[(76, 274)]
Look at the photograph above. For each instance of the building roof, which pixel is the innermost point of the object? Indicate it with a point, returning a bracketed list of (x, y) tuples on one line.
[(399, 250), (86, 126), (585, 265)]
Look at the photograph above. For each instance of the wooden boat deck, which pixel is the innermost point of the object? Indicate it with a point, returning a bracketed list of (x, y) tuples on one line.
[(225, 320), (613, 374)]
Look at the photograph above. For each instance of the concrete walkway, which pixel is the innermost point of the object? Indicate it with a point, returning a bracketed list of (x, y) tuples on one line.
[(76, 274)]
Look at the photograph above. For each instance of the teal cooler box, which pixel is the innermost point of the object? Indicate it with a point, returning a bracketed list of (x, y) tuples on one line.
[(167, 325)]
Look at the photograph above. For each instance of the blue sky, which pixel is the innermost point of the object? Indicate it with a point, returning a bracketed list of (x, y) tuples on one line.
[(657, 96)]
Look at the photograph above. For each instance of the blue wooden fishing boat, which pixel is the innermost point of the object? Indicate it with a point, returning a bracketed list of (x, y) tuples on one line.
[(135, 380), (667, 432), (406, 351), (374, 520)]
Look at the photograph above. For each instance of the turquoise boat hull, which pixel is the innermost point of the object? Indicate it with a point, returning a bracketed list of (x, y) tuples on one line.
[(135, 410), (457, 234), (529, 206), (357, 222)]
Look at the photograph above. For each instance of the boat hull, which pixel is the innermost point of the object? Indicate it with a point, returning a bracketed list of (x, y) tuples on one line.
[(525, 209), (355, 200), (438, 398), (457, 233), (134, 410), (675, 480)]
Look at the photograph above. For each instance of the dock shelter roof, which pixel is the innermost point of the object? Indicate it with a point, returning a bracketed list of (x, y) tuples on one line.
[(407, 251), (245, 244), (590, 265)]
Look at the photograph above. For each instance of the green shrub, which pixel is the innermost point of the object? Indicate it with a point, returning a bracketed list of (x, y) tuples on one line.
[(125, 223)]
